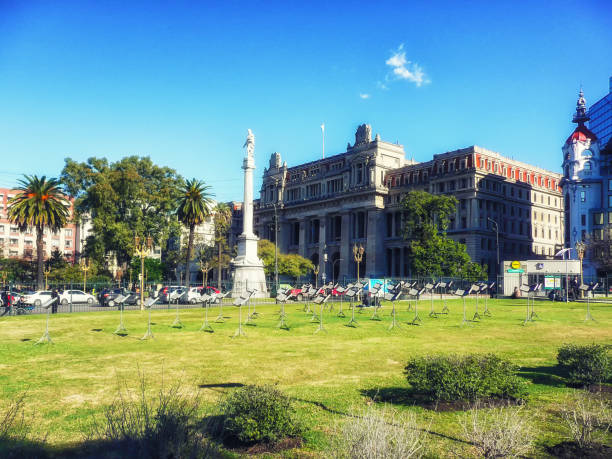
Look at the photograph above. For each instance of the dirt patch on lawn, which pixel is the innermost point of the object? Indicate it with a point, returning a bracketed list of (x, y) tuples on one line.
[(571, 450), (262, 448)]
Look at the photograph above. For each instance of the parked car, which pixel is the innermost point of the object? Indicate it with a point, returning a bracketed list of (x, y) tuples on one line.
[(76, 296), (37, 298), (171, 293), (107, 296), (192, 296)]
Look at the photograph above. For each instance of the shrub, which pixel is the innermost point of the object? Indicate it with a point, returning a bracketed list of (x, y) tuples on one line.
[(258, 414), (587, 364), (141, 425), (472, 377), (371, 434), (12, 420), (498, 432), (588, 418)]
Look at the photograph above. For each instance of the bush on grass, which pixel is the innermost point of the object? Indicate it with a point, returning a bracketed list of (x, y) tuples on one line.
[(15, 432), (588, 419), (142, 425), (585, 364), (378, 434), (258, 414), (471, 377), (497, 432)]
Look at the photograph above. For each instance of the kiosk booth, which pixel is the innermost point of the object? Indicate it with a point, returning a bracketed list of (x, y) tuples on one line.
[(552, 274)]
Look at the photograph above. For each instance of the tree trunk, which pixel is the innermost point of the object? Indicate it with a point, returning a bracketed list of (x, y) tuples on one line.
[(219, 266), (188, 261), (40, 258)]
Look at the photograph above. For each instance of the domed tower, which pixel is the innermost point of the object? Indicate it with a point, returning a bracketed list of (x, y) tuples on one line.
[(582, 182)]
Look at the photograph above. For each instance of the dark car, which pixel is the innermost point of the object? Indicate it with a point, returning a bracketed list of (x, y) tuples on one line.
[(107, 296)]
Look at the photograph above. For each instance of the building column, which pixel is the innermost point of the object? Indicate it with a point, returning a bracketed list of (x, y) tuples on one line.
[(284, 229), (302, 245), (346, 254), (322, 246), (374, 247), (475, 216)]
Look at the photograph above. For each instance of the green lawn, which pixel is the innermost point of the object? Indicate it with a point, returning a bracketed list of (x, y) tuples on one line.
[(328, 373)]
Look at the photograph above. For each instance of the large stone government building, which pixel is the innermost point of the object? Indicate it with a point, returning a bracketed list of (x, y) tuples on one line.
[(326, 206)]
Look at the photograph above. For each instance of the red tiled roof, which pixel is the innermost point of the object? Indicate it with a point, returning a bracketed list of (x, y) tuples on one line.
[(581, 133)]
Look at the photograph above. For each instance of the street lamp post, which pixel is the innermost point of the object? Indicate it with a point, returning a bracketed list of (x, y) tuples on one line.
[(275, 249), (358, 256), (46, 272), (142, 249), (580, 249), (496, 243), (85, 266), (315, 270), (324, 275)]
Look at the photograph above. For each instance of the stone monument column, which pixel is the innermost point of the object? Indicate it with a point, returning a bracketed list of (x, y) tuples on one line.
[(248, 268)]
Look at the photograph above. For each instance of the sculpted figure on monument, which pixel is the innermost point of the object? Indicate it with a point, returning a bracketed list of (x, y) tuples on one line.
[(363, 135), (250, 143)]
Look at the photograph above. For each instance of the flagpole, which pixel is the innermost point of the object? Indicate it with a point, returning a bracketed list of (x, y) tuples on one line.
[(323, 138)]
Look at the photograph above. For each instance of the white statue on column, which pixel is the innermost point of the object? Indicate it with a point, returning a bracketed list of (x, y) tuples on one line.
[(250, 143), (248, 268)]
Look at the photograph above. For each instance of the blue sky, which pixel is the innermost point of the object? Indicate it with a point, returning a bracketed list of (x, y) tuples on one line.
[(182, 81)]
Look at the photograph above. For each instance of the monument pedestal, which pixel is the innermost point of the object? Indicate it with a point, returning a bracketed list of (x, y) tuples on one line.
[(248, 268)]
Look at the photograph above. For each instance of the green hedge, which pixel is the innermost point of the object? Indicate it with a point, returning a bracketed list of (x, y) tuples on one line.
[(471, 377), (258, 414), (585, 364)]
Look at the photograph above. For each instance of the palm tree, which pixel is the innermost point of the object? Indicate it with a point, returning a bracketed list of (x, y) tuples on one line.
[(39, 203), (193, 208), (222, 217)]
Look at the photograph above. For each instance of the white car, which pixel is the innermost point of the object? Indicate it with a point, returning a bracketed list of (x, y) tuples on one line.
[(192, 296), (76, 296), (37, 298)]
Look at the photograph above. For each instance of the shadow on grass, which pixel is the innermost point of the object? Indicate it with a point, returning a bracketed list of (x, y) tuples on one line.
[(392, 395), (220, 385), (350, 415), (550, 376)]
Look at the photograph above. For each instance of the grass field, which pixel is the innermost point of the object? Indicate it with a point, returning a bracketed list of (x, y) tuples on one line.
[(329, 374)]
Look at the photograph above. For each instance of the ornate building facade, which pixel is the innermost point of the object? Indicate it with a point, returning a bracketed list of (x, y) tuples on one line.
[(326, 206), (587, 186)]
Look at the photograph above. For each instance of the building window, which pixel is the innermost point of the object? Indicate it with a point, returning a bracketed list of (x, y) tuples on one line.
[(588, 166), (582, 196), (610, 200), (69, 232), (609, 184), (583, 219), (598, 218)]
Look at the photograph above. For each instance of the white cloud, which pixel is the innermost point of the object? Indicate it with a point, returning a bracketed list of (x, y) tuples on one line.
[(381, 85), (404, 69), (364, 96)]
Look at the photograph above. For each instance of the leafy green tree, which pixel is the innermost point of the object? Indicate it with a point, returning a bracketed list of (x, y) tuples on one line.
[(193, 208), (432, 252), (426, 214), (291, 265), (222, 216), (132, 196), (39, 203), (154, 269), (57, 260)]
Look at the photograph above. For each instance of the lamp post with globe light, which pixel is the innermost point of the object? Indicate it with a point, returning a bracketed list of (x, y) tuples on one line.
[(142, 249), (580, 249)]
